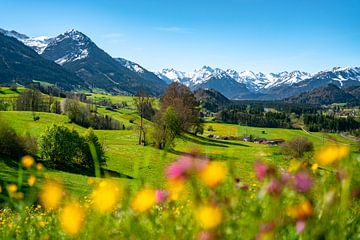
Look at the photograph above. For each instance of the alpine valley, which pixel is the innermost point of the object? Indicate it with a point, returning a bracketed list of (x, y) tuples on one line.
[(73, 61)]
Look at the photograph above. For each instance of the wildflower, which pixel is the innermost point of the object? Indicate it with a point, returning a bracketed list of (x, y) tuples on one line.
[(209, 216), (27, 161), (266, 231), (314, 167), (144, 200), (206, 235), (260, 170), (31, 180), (51, 194), (175, 187), (71, 218), (303, 182), (161, 195), (179, 168), (274, 187), (331, 154), (42, 223), (301, 211), (285, 177), (213, 173), (106, 196), (294, 166), (12, 188), (39, 167), (300, 226)]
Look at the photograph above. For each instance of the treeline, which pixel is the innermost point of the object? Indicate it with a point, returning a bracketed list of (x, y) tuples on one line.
[(83, 114), (255, 118), (320, 122)]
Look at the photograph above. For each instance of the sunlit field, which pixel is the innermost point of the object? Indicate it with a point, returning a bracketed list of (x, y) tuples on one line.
[(247, 189)]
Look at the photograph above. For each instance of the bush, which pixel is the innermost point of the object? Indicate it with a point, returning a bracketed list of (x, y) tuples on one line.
[(297, 147), (64, 148)]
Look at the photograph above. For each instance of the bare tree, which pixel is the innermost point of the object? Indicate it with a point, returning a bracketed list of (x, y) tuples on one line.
[(143, 103)]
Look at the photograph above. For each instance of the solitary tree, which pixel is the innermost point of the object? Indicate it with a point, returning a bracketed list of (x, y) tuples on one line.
[(167, 127), (143, 103), (184, 103), (297, 147)]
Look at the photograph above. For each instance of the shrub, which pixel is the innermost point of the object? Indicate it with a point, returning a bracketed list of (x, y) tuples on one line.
[(297, 147), (64, 148)]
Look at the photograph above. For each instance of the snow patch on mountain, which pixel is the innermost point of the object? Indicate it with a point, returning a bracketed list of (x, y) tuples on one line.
[(130, 65)]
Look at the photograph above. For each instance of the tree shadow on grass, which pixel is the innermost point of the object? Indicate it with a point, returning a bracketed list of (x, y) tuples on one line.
[(76, 169)]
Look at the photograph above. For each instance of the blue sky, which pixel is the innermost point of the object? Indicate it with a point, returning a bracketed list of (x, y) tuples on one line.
[(258, 35)]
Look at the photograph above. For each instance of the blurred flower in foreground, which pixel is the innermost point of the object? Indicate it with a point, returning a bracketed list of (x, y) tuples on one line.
[(303, 181), (161, 195), (266, 231), (31, 180), (209, 216), (300, 211), (274, 187), (206, 235), (144, 200), (213, 173), (27, 161), (331, 154), (71, 218), (175, 187), (106, 196), (260, 170), (39, 167), (51, 194), (300, 226), (314, 167), (183, 166), (12, 188)]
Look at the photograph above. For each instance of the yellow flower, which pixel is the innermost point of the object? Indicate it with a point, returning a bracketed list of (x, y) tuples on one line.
[(301, 211), (42, 223), (314, 167), (39, 167), (144, 200), (294, 166), (213, 173), (51, 194), (12, 188), (175, 187), (27, 161), (106, 196), (209, 216), (331, 154), (71, 218), (31, 180)]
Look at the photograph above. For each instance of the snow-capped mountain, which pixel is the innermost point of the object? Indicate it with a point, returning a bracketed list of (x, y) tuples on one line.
[(78, 54), (265, 86)]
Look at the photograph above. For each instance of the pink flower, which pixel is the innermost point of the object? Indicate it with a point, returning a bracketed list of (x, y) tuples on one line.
[(274, 187), (285, 177), (303, 182), (161, 195), (179, 168), (206, 235), (300, 226), (184, 165), (260, 170)]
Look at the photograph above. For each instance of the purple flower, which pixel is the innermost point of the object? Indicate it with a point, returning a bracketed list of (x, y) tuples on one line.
[(303, 182), (285, 177), (300, 226), (260, 170)]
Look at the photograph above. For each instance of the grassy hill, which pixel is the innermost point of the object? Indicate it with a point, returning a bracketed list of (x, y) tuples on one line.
[(147, 163)]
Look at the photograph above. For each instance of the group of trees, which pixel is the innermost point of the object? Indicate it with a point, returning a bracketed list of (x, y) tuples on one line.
[(255, 118), (82, 115), (321, 122), (179, 113)]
